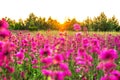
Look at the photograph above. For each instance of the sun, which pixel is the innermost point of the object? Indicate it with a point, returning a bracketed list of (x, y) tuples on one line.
[(61, 20)]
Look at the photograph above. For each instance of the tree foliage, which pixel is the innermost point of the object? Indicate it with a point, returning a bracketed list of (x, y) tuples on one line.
[(33, 22)]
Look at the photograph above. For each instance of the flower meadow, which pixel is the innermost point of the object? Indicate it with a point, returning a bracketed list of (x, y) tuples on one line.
[(64, 57)]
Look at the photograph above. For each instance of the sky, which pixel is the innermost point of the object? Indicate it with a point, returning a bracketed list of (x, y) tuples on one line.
[(59, 9)]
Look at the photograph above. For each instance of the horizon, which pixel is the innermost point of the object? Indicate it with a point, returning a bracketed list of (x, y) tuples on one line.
[(59, 9)]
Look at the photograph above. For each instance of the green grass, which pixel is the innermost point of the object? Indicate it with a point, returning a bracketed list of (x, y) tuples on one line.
[(55, 32)]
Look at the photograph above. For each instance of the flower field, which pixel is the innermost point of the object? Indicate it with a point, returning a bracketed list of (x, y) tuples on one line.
[(60, 56)]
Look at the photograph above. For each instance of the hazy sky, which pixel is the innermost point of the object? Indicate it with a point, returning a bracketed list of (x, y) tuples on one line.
[(59, 9)]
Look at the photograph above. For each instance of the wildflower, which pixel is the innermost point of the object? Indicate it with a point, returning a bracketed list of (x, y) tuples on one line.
[(46, 72), (78, 70), (110, 54), (85, 42), (20, 55), (77, 27), (4, 32), (116, 74), (58, 58), (106, 66), (22, 74), (81, 52), (78, 34), (95, 43), (67, 73), (34, 61), (10, 69), (4, 23), (35, 66), (45, 52), (47, 60), (64, 66), (108, 77), (59, 75)]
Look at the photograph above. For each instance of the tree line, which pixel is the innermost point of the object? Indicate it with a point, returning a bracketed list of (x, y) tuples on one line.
[(33, 22)]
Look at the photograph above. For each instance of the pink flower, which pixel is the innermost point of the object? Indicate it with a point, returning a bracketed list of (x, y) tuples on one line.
[(58, 58), (20, 55), (85, 42), (77, 27), (59, 75), (46, 72), (22, 74), (10, 69), (110, 54), (109, 66), (7, 48), (64, 66), (95, 42), (47, 60), (67, 73), (116, 74), (81, 62), (35, 66), (4, 23), (19, 62), (81, 52), (5, 78), (109, 77), (34, 61), (4, 32), (45, 52), (78, 34), (68, 53), (106, 66), (78, 69), (104, 78)]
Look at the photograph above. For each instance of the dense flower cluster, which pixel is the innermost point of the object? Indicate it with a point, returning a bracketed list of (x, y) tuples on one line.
[(27, 56), (4, 32)]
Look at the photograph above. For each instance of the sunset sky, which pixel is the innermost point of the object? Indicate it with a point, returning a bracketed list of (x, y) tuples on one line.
[(59, 9)]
